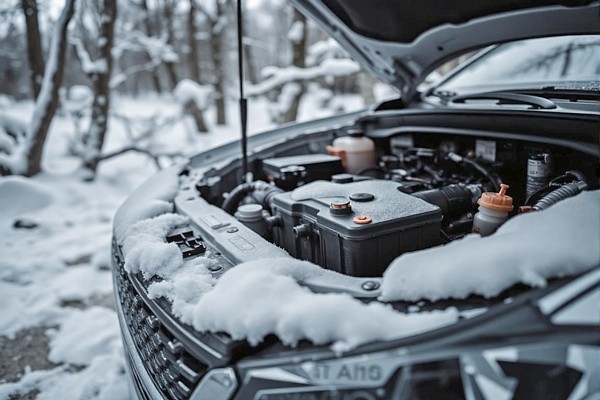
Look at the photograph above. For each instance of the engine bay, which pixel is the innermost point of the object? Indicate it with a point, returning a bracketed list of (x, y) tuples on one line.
[(415, 190)]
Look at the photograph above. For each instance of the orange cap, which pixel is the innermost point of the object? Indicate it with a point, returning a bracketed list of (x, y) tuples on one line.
[(497, 201)]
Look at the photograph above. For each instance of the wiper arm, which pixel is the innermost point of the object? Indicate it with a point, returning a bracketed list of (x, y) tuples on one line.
[(506, 98)]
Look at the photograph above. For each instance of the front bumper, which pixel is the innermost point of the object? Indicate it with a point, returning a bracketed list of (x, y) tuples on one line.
[(164, 362), (512, 349)]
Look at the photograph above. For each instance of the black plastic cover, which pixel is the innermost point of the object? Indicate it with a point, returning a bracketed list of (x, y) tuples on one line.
[(399, 223)]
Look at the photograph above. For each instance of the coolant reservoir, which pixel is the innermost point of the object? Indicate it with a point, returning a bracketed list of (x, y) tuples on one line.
[(493, 211), (356, 151)]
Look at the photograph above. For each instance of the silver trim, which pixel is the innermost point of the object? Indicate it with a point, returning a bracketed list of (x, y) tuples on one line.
[(550, 303), (217, 384)]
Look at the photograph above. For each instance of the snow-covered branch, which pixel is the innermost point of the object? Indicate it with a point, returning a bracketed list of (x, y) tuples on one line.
[(277, 77), (142, 141), (89, 67)]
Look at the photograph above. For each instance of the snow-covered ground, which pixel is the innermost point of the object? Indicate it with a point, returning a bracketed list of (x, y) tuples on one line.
[(58, 330)]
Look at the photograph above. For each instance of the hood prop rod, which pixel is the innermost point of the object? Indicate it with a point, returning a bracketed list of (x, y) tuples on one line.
[(243, 101)]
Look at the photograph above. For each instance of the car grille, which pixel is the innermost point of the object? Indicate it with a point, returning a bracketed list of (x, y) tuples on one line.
[(171, 366)]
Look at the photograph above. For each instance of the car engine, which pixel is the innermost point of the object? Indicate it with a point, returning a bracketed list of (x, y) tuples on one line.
[(412, 193)]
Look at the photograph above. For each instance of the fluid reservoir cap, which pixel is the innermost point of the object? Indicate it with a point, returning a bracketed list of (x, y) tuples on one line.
[(355, 132), (342, 178), (362, 197), (497, 201), (249, 212), (340, 207)]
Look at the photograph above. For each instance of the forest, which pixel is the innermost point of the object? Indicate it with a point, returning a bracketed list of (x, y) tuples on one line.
[(73, 58)]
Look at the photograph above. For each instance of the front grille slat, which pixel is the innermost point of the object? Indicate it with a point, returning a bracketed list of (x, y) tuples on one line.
[(173, 369)]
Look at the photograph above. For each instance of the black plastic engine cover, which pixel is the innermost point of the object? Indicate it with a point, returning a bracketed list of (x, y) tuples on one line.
[(310, 229)]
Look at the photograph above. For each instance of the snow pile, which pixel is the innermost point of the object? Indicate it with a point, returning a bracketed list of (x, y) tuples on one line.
[(529, 248), (13, 137), (83, 335), (265, 296), (103, 379), (145, 249), (188, 91), (262, 297), (20, 195), (151, 199), (185, 286)]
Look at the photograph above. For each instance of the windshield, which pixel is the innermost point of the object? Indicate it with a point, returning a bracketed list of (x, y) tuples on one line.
[(570, 60)]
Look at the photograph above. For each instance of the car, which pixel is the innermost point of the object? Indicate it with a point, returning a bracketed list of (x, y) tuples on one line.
[(443, 244)]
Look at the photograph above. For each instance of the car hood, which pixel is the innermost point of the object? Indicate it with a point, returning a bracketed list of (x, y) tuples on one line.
[(401, 41)]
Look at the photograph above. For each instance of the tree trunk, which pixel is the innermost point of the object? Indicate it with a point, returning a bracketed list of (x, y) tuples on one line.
[(47, 101), (169, 65), (150, 32), (35, 56), (193, 55), (100, 82), (216, 45), (192, 109), (299, 60)]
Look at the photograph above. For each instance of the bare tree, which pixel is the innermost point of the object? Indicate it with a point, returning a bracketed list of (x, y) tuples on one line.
[(297, 36), (149, 32), (191, 34), (99, 72), (25, 155), (191, 107), (34, 45), (168, 7), (216, 27)]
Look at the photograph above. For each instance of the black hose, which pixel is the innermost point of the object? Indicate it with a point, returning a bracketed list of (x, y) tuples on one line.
[(261, 191), (235, 196), (563, 192), (567, 177), (493, 178)]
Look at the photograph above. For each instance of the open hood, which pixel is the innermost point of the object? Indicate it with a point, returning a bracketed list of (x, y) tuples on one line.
[(402, 41)]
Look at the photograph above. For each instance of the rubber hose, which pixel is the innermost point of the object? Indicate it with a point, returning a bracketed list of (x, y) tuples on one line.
[(235, 196), (563, 192), (266, 191)]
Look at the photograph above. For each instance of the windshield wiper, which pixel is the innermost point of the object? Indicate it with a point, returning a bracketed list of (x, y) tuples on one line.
[(506, 98)]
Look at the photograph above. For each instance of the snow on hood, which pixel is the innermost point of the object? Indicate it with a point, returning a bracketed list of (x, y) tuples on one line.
[(264, 296), (154, 197), (560, 241)]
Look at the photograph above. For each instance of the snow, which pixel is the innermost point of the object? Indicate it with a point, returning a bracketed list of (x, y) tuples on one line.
[(151, 199), (145, 249), (103, 379), (18, 196), (276, 76), (188, 91), (296, 32), (529, 248), (83, 334), (62, 264), (264, 296)]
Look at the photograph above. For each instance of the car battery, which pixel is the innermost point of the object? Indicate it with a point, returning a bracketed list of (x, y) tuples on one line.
[(290, 172), (353, 228)]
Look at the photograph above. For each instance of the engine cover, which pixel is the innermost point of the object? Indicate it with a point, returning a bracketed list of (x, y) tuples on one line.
[(354, 228)]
